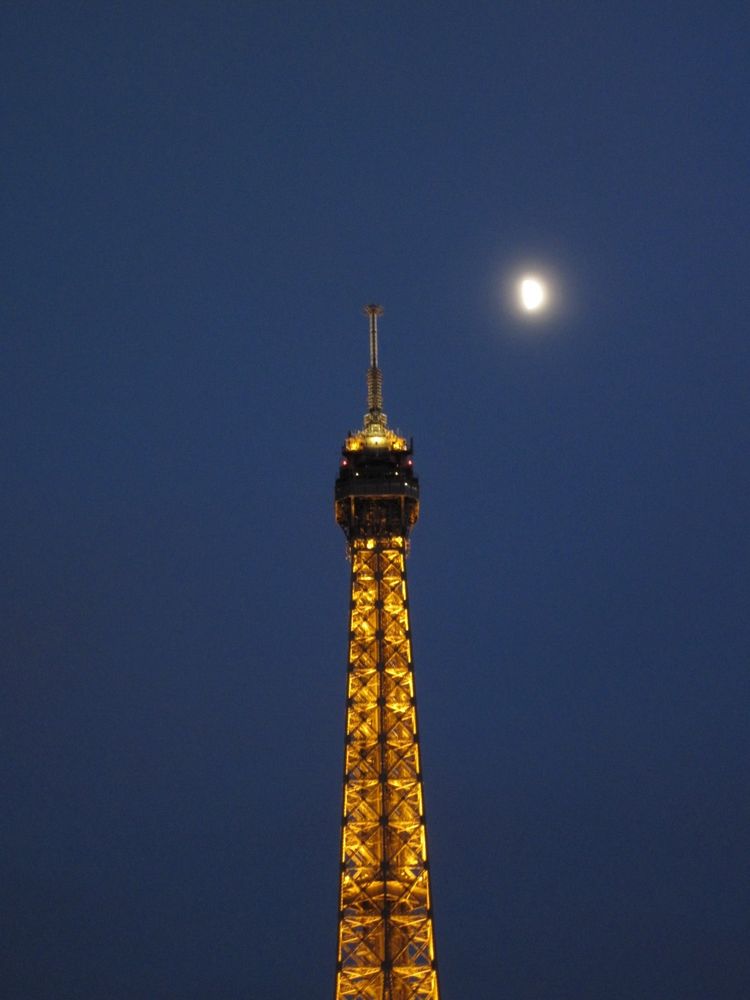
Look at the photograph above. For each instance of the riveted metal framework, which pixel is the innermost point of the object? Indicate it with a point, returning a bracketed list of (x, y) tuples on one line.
[(386, 945)]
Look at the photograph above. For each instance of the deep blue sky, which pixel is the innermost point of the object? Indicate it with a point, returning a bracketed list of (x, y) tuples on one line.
[(197, 199)]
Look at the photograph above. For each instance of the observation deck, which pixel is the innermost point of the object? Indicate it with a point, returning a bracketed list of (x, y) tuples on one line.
[(377, 491)]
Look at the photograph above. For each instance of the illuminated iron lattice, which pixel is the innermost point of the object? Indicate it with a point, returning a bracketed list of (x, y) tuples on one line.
[(386, 945)]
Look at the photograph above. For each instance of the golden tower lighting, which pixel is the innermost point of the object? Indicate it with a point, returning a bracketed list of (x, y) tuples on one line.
[(386, 947)]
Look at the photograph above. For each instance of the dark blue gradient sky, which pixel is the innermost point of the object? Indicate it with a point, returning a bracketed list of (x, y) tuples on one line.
[(197, 199)]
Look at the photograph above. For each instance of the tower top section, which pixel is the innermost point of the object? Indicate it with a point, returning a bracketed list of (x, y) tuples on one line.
[(375, 432), (377, 491)]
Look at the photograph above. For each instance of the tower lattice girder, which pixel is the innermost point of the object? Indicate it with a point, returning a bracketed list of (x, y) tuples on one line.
[(386, 947)]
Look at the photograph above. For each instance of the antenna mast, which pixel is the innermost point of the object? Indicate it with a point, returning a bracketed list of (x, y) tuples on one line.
[(375, 419)]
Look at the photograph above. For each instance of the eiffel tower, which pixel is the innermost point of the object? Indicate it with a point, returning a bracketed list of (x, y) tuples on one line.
[(386, 948)]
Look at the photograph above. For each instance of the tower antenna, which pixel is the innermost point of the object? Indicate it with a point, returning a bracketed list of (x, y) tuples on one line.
[(375, 415)]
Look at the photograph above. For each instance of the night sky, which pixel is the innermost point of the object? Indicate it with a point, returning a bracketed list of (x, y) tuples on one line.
[(197, 200)]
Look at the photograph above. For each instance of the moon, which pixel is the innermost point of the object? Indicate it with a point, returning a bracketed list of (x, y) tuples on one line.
[(532, 293)]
